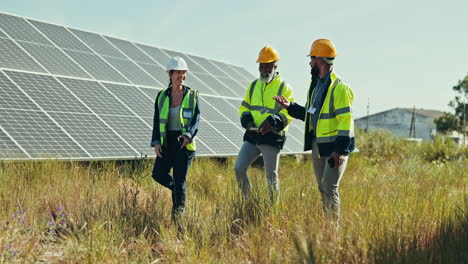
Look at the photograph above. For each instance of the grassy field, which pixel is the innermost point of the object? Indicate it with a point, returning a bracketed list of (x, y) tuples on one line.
[(401, 203)]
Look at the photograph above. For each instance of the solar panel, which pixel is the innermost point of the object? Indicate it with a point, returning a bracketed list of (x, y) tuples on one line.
[(98, 43), (210, 113), (296, 135), (12, 97), (194, 82), (156, 71), (151, 93), (8, 148), (133, 72), (39, 135), (134, 98), (133, 130), (71, 94), (130, 50), (91, 133), (13, 57), (47, 92), (233, 74), (219, 143), (97, 67), (155, 53), (203, 149), (95, 97), (54, 60), (209, 67), (19, 29), (234, 87), (222, 106), (247, 76), (215, 85), (148, 121), (3, 35), (235, 103), (231, 131), (60, 36)]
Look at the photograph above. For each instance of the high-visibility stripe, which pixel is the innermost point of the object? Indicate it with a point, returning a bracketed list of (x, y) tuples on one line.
[(331, 106), (191, 99), (191, 104), (329, 139), (281, 133), (280, 92), (343, 110), (252, 88), (261, 104), (162, 99), (263, 109), (345, 133), (162, 120), (340, 111), (326, 116)]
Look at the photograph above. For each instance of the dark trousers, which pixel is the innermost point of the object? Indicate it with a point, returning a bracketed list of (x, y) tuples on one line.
[(178, 159)]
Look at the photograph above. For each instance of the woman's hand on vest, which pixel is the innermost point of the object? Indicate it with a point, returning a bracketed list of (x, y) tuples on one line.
[(158, 150), (282, 101), (185, 142)]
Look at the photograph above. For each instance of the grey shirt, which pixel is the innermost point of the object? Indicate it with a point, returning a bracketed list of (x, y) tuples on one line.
[(173, 121)]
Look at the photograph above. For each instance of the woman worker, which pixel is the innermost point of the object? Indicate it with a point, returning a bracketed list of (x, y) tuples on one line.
[(176, 119)]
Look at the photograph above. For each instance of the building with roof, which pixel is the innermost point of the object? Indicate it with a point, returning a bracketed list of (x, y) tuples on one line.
[(399, 121)]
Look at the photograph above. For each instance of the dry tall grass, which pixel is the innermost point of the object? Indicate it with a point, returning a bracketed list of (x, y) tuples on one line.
[(400, 204)]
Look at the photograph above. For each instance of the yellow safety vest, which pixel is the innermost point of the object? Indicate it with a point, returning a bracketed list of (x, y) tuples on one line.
[(335, 117), (259, 101), (187, 112)]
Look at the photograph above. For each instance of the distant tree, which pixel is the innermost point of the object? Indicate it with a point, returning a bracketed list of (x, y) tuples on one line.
[(447, 122), (456, 122), (459, 103)]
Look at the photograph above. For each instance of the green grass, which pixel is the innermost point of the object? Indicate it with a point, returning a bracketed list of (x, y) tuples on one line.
[(401, 203)]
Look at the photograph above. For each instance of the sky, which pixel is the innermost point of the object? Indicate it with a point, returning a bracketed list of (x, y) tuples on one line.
[(391, 53)]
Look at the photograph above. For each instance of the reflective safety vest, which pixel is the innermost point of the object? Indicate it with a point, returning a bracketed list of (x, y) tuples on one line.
[(335, 117), (259, 101), (187, 112)]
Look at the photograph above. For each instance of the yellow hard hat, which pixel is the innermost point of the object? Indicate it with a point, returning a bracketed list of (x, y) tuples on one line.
[(267, 55), (323, 48)]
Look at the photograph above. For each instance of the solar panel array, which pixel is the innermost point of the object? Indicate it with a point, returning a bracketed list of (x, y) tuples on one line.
[(71, 94)]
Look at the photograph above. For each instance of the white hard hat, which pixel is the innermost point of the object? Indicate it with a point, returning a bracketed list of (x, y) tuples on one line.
[(177, 64)]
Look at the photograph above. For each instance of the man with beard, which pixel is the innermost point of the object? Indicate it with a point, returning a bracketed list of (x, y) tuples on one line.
[(265, 122), (329, 125)]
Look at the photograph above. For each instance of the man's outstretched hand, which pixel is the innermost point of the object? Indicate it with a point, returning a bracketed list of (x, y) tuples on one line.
[(282, 101)]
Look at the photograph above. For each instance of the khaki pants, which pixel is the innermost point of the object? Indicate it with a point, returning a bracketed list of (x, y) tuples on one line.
[(248, 154), (328, 180)]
